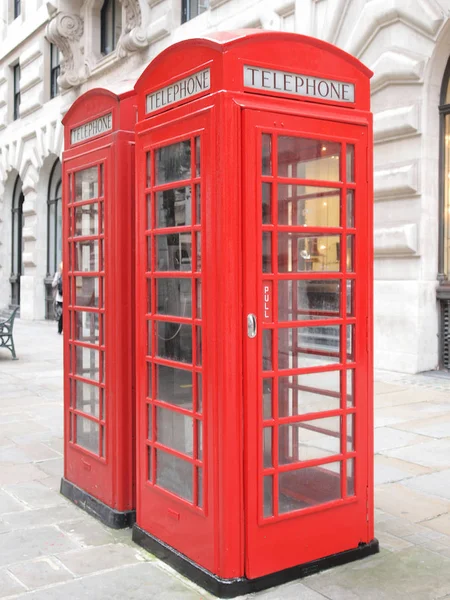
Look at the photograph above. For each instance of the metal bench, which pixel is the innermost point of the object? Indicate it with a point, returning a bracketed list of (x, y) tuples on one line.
[(7, 316)]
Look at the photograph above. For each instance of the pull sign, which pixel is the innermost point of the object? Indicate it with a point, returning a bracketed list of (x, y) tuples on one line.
[(251, 325), (267, 301)]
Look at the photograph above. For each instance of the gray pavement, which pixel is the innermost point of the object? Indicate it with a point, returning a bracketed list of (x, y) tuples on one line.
[(49, 549)]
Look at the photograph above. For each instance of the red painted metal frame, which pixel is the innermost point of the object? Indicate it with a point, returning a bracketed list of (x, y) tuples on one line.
[(234, 540), (108, 473)]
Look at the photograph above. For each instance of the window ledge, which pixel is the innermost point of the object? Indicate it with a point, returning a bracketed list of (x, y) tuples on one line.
[(105, 63)]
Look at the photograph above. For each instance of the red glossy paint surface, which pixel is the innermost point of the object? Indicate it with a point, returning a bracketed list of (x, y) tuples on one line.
[(98, 284)]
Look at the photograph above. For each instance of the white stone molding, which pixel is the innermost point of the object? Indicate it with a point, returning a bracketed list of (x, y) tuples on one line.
[(422, 15), (336, 11), (213, 4), (396, 66), (65, 31), (401, 240), (395, 181), (160, 28), (134, 36), (396, 123)]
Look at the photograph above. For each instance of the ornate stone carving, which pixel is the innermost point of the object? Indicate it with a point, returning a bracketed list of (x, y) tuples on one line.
[(134, 36), (65, 31)]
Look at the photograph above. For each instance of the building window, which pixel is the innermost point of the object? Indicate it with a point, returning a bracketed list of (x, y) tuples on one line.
[(17, 8), (54, 234), (110, 25), (193, 8), (16, 242), (54, 70), (16, 85)]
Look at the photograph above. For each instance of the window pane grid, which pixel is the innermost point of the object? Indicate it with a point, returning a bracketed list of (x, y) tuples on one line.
[(173, 246), (310, 310)]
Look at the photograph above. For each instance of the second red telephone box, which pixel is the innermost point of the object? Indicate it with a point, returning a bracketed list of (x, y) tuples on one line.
[(254, 319), (98, 301)]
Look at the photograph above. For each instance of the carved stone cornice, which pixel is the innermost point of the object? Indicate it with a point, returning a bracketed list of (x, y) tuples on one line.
[(65, 31), (134, 36)]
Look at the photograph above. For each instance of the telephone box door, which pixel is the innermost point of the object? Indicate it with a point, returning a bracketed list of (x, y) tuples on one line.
[(307, 408), (172, 480), (86, 413)]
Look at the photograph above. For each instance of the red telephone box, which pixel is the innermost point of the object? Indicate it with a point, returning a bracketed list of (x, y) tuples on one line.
[(254, 309), (98, 285)]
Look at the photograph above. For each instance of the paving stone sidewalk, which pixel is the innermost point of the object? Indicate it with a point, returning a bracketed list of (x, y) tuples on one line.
[(49, 549)]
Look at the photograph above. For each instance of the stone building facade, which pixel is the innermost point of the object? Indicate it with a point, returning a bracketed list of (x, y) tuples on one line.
[(52, 51)]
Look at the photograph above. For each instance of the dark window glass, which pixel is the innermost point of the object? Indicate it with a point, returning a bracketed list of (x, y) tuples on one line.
[(16, 241), (16, 99), (110, 25), (17, 8), (193, 8), (54, 70)]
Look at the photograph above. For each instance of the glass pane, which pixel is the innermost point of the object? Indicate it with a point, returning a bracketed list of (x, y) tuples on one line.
[(174, 386), (350, 208), (199, 356), (266, 154), (87, 398), (267, 350), (149, 338), (300, 252), (268, 495), (149, 380), (87, 363), (267, 447), (87, 327), (174, 474), (149, 212), (148, 163), (350, 433), (149, 296), (302, 394), (198, 200), (199, 440), (309, 440), (350, 343), (200, 487), (173, 207), (199, 298), (173, 252), (351, 163), (266, 252), (199, 394), (350, 387), (174, 297), (173, 163), (198, 240), (174, 341), (149, 253), (308, 299), (267, 399), (350, 284), (309, 487), (87, 434), (86, 219), (351, 477), (174, 430), (308, 346), (86, 184), (149, 455), (308, 159), (86, 256), (350, 255), (309, 206), (197, 156), (266, 203)]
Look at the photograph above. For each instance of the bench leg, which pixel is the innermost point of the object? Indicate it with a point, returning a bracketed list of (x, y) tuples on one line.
[(13, 350)]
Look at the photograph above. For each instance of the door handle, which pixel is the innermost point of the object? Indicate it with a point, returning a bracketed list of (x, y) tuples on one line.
[(251, 325)]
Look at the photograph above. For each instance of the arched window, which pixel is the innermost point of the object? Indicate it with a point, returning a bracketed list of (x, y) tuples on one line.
[(110, 25), (16, 241), (443, 291), (54, 234)]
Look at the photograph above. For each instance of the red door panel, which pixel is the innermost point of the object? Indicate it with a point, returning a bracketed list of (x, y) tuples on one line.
[(307, 385), (173, 470)]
